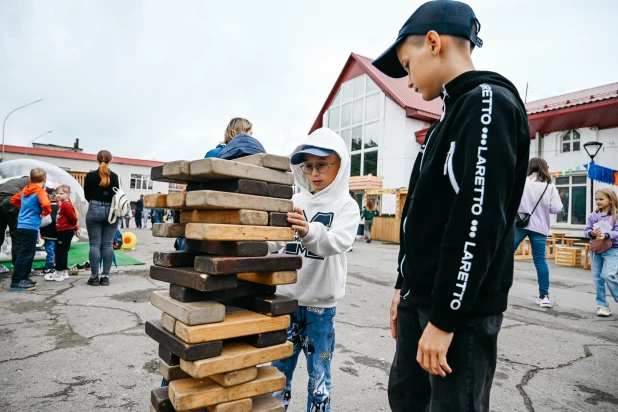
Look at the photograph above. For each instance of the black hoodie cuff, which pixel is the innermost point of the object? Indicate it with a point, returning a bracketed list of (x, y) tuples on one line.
[(444, 318), (399, 282)]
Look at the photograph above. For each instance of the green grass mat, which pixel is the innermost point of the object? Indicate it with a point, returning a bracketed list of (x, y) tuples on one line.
[(79, 254)]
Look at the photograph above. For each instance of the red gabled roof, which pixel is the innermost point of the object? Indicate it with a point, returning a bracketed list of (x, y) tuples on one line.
[(396, 89), (562, 101), (77, 156)]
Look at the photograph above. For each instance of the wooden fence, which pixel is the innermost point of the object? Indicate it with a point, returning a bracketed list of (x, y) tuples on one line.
[(386, 229)]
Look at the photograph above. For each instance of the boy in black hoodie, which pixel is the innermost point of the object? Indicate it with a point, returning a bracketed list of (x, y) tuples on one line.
[(456, 255)]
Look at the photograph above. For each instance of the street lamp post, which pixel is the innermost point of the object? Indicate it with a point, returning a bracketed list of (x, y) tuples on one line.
[(592, 149), (32, 141), (4, 124)]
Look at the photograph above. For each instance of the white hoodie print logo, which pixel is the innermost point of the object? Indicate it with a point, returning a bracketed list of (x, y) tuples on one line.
[(296, 248)]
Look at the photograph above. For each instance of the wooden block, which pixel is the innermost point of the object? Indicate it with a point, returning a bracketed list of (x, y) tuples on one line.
[(278, 219), (155, 201), (269, 161), (180, 348), (237, 355), (236, 324), (152, 409), (207, 231), (269, 278), (176, 200), (168, 323), (270, 305), (187, 394), (194, 313), (156, 175), (243, 289), (280, 191), (241, 405), (219, 169), (236, 377), (217, 265), (168, 357), (168, 230), (245, 186), (188, 277), (177, 258), (209, 199), (213, 247), (266, 339), (160, 400), (267, 403), (227, 217), (171, 373)]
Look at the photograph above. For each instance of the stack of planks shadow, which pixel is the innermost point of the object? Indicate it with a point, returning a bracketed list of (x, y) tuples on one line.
[(221, 317)]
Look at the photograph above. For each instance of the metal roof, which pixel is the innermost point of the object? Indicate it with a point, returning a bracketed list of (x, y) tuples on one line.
[(609, 91)]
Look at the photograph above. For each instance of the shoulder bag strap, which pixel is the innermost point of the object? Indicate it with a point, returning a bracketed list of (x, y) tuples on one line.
[(540, 198)]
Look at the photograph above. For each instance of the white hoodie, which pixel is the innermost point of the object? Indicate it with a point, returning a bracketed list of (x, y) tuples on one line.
[(333, 218)]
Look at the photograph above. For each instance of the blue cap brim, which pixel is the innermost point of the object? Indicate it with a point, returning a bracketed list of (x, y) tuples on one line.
[(299, 157), (388, 62)]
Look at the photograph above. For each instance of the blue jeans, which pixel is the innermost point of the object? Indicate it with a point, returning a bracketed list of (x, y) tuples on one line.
[(25, 257), (538, 244), (604, 268), (312, 331), (101, 234), (50, 248)]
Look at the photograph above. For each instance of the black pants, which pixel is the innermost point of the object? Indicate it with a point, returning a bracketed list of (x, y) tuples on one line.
[(25, 257), (472, 357), (8, 217), (138, 219), (63, 245)]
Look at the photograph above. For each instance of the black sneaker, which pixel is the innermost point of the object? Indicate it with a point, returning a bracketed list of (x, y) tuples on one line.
[(87, 265), (94, 281), (32, 282), (22, 286), (104, 281)]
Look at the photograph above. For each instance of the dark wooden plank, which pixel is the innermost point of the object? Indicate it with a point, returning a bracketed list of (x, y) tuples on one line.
[(160, 400), (243, 289), (278, 219), (177, 258), (271, 305), (280, 191), (245, 186), (156, 175), (181, 349), (192, 279), (167, 356), (220, 265), (266, 339), (240, 249)]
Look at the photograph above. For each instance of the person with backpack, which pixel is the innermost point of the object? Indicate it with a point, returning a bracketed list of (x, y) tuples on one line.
[(100, 186)]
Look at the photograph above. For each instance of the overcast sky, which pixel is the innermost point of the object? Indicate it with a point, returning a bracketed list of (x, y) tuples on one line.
[(160, 79)]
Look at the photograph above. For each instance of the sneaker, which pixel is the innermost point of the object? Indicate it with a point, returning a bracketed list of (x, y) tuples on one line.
[(32, 282), (75, 267), (72, 272), (36, 273), (22, 286), (87, 265), (603, 311), (48, 271), (93, 281), (64, 274), (104, 280), (4, 269), (57, 276), (543, 301)]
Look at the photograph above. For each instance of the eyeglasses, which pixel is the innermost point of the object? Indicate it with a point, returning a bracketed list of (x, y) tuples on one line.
[(321, 167)]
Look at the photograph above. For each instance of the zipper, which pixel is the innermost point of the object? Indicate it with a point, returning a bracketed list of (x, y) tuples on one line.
[(424, 149), (448, 167)]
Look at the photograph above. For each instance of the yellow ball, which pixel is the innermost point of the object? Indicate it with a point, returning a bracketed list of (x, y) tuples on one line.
[(129, 240)]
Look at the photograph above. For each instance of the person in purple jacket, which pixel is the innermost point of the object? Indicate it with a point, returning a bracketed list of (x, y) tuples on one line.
[(542, 194), (604, 265)]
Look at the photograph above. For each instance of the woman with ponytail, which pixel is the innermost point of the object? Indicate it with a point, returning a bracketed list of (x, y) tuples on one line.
[(99, 191)]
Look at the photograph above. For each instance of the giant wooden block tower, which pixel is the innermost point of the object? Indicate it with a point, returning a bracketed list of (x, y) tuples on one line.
[(221, 316)]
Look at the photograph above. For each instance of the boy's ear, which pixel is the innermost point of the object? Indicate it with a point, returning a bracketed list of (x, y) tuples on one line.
[(432, 39)]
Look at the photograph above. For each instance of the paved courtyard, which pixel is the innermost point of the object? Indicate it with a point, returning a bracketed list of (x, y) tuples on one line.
[(70, 347)]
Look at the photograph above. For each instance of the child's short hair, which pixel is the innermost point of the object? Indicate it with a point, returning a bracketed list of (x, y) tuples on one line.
[(37, 175), (64, 188)]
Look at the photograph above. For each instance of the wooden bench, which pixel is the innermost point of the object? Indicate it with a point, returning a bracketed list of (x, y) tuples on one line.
[(524, 250), (586, 247), (559, 236), (568, 256)]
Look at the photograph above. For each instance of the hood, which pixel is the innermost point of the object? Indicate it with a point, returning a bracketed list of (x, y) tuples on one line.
[(32, 188), (241, 146), (465, 82), (326, 139)]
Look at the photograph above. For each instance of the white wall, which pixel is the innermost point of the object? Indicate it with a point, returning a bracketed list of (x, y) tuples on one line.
[(124, 172)]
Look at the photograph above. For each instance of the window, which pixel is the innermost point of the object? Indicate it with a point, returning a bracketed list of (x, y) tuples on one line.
[(355, 115), (141, 182), (572, 191), (570, 142)]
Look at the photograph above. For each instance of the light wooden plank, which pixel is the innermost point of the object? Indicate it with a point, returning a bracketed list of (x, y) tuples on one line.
[(210, 199), (155, 201), (217, 169), (236, 377), (189, 313), (267, 403), (168, 323), (176, 200), (226, 217), (207, 231), (269, 161), (269, 278), (168, 230), (241, 405)]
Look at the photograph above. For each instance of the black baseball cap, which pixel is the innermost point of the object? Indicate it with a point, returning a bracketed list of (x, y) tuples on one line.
[(442, 16)]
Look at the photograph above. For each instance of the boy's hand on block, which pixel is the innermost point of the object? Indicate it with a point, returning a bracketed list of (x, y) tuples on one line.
[(298, 221)]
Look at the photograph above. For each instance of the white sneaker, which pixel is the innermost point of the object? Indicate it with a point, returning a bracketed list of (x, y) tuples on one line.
[(603, 311), (64, 274), (54, 276), (543, 301)]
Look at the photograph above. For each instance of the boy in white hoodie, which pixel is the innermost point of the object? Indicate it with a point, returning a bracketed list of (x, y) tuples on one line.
[(326, 220)]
